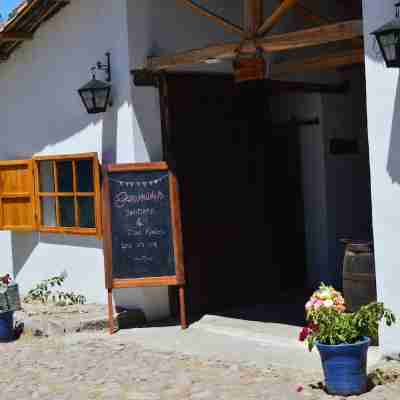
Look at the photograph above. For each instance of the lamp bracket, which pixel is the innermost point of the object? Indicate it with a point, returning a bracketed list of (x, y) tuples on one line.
[(105, 67)]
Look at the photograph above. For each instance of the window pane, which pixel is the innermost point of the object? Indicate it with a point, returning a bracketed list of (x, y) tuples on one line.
[(84, 170), (86, 212), (87, 98), (65, 177), (49, 211), (101, 98), (46, 176), (67, 211)]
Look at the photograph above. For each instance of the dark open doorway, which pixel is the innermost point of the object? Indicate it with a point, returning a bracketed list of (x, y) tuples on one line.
[(241, 196)]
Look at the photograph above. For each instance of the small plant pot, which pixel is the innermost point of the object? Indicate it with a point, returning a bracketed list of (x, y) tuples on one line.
[(10, 299), (6, 326), (345, 367)]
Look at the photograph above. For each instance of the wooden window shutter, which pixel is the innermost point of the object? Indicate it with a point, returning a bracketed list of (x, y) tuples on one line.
[(17, 196)]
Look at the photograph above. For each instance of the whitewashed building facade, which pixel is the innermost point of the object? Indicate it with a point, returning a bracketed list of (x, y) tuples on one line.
[(41, 115)]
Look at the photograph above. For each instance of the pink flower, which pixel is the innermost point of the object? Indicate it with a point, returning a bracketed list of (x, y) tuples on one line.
[(309, 305), (6, 279), (300, 388), (340, 300), (318, 304), (305, 332)]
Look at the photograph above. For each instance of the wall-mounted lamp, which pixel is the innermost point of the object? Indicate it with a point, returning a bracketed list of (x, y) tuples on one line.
[(96, 94), (388, 38)]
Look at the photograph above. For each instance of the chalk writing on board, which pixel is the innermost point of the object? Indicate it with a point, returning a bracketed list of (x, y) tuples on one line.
[(123, 199), (139, 212), (141, 225)]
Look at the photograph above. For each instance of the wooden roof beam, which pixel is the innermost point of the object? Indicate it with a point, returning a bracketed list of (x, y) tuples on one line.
[(276, 16), (318, 63), (293, 40), (310, 16), (15, 36), (213, 17)]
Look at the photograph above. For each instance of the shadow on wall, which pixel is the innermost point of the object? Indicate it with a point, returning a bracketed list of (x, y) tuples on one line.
[(393, 164), (71, 240), (22, 245), (109, 136)]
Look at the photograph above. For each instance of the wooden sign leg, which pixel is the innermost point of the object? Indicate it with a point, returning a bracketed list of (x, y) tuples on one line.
[(182, 305), (111, 312)]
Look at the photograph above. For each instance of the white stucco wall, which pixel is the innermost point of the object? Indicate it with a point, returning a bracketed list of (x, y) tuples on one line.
[(42, 114), (383, 106)]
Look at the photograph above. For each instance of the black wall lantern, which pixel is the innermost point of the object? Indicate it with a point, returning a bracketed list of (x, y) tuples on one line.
[(388, 38), (96, 94)]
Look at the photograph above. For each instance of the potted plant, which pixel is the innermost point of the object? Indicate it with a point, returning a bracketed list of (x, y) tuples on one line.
[(9, 302), (342, 338)]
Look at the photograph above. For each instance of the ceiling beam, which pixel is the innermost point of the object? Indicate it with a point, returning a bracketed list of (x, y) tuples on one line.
[(253, 16), (276, 16), (213, 17), (13, 36), (310, 16), (293, 40), (321, 62)]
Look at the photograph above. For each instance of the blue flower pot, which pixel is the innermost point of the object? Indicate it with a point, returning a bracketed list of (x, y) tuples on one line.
[(6, 326), (345, 367)]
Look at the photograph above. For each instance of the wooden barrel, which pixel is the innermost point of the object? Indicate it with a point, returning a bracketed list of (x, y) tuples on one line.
[(359, 281)]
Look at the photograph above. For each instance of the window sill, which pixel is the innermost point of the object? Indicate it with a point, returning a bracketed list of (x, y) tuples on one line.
[(71, 231)]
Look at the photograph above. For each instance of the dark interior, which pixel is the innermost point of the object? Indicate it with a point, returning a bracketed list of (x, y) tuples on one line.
[(241, 197)]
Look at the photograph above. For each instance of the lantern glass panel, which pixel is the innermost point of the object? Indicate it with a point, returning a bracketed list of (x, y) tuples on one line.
[(101, 98), (389, 43), (87, 97)]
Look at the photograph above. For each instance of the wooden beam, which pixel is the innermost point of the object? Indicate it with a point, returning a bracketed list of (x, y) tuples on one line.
[(293, 40), (213, 17), (253, 16), (319, 63), (316, 19), (13, 36), (276, 16), (310, 16), (277, 86)]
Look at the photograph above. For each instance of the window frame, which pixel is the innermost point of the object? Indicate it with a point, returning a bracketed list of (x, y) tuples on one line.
[(96, 194)]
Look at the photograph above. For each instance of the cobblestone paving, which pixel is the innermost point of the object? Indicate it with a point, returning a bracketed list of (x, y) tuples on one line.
[(96, 366)]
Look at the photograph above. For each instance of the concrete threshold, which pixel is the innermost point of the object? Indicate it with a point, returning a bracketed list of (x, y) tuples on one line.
[(231, 340)]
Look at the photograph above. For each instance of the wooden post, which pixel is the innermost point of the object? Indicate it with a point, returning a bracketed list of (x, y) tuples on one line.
[(111, 312), (253, 16), (182, 306)]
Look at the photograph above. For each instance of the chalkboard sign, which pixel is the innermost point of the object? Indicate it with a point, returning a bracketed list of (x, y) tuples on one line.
[(142, 243), (141, 227)]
